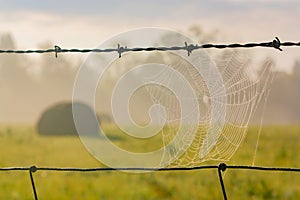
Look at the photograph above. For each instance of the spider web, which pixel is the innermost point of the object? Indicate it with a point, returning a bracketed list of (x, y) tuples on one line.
[(244, 86), (199, 105)]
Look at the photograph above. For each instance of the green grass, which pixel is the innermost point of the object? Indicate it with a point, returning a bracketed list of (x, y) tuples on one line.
[(21, 146)]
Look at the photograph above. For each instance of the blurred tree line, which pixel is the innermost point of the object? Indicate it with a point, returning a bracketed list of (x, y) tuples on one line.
[(28, 85)]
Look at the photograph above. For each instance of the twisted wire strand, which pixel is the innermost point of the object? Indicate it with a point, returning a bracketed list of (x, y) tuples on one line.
[(276, 44)]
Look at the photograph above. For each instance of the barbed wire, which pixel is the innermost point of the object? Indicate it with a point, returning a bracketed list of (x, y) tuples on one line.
[(222, 167), (276, 44)]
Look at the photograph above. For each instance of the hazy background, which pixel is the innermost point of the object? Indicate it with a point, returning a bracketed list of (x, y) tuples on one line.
[(31, 83)]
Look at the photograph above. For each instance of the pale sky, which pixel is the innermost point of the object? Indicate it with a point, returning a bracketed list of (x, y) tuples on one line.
[(85, 24)]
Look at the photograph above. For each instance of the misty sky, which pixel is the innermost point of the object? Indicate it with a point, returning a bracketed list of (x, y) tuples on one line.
[(87, 23)]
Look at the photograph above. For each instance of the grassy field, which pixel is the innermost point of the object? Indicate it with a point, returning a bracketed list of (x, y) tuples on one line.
[(21, 146)]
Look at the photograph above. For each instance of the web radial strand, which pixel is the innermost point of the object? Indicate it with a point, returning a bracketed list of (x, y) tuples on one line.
[(245, 87)]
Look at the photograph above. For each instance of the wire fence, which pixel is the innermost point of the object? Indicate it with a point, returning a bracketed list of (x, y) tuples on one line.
[(222, 167), (187, 47)]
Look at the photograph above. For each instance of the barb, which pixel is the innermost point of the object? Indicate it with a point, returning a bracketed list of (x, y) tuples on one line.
[(276, 44), (57, 50), (190, 48)]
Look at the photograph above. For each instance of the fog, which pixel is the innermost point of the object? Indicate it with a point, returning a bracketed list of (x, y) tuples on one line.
[(30, 84)]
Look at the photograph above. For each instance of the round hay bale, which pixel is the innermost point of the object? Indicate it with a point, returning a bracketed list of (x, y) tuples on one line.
[(58, 120)]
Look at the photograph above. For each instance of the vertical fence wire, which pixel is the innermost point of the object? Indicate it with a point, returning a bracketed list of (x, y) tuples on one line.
[(32, 169)]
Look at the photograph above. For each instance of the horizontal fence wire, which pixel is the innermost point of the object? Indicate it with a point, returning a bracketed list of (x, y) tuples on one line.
[(187, 47), (75, 169), (222, 167)]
